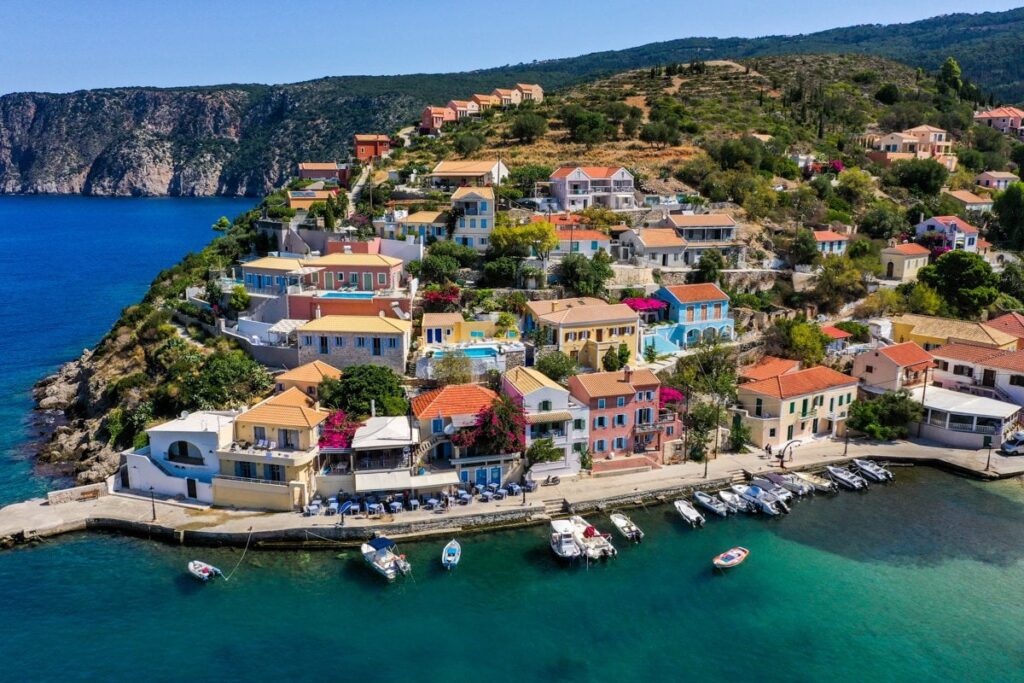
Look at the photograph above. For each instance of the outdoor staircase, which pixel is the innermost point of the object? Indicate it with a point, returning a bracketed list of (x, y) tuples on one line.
[(425, 446), (554, 506)]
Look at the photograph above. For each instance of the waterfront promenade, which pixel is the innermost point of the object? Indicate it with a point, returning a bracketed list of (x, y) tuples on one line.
[(185, 523)]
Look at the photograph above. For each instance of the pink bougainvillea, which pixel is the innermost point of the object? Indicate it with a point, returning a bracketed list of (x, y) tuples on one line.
[(836, 166), (670, 395), (441, 298), (645, 304), (338, 431), (500, 428)]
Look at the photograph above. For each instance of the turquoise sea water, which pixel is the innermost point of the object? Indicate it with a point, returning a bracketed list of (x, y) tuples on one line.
[(921, 580)]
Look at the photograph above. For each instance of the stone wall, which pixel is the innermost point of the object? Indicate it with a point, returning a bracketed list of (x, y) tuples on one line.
[(87, 492)]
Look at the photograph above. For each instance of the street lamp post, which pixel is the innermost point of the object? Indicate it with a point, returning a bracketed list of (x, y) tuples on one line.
[(152, 502)]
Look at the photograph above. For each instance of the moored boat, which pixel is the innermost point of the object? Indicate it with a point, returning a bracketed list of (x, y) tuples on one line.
[(790, 482), (760, 499), (731, 558), (563, 545), (451, 554), (767, 485), (820, 484), (380, 554), (203, 571), (626, 527), (689, 513), (872, 470), (846, 478), (735, 502), (712, 503), (592, 543)]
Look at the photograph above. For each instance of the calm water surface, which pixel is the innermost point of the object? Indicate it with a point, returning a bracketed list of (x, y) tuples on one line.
[(921, 580)]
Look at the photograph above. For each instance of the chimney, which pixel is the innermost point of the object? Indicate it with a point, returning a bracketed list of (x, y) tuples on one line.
[(317, 312), (373, 408), (627, 373)]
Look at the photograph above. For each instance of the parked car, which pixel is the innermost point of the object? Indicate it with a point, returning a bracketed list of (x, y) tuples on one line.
[(1014, 445)]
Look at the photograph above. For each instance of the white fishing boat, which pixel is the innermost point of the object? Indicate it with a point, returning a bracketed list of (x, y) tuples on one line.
[(872, 470), (790, 482), (711, 503), (846, 478), (765, 484), (626, 527), (730, 558), (380, 554), (562, 542), (203, 571), (735, 502), (451, 554), (760, 499), (821, 484), (592, 543), (689, 513)]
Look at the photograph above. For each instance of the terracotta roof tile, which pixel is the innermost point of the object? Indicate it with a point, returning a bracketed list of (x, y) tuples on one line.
[(800, 383), (602, 384), (954, 221), (528, 380), (1011, 323), (314, 371), (659, 237), (690, 294), (290, 408), (589, 171), (829, 236), (947, 328), (432, 319), (581, 234), (539, 308), (704, 220), (578, 315), (910, 249), (454, 399), (835, 332), (967, 197), (906, 354), (768, 367), (967, 352)]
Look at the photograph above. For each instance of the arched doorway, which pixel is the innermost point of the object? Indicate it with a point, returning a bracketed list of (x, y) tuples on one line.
[(888, 270), (185, 452)]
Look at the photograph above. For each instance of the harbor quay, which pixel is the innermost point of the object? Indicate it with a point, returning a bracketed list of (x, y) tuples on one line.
[(177, 522)]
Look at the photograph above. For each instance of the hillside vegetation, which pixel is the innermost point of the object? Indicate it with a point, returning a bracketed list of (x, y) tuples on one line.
[(246, 139)]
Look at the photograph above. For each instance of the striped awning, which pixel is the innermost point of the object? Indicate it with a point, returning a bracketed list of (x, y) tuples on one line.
[(551, 416)]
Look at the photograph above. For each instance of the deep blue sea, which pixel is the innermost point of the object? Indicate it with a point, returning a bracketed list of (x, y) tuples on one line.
[(920, 580)]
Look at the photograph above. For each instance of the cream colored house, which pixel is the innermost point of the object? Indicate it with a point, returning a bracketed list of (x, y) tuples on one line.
[(306, 378), (892, 368), (271, 463), (797, 406), (931, 332), (586, 333), (902, 261), (346, 340)]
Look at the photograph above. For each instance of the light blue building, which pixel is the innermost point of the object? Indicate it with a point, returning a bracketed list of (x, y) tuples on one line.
[(830, 243), (696, 312)]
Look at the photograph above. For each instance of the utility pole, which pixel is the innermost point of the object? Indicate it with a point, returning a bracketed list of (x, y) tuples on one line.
[(924, 411)]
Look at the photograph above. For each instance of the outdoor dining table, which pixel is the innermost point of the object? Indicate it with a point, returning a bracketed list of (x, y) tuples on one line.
[(414, 504), (500, 494), (486, 495), (515, 489), (433, 502), (465, 498), (462, 492), (396, 506)]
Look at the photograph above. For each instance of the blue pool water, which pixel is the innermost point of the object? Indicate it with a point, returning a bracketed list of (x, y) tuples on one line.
[(474, 352), (660, 343), (347, 295)]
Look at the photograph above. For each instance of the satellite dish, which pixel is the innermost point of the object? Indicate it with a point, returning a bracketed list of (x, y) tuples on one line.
[(184, 414), (449, 430)]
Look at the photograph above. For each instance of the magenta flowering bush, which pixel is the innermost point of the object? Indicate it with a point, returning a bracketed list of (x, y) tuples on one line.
[(441, 298), (669, 395), (500, 428), (641, 304), (338, 431)]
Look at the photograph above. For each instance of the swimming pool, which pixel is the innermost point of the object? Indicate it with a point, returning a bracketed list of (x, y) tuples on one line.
[(474, 352), (347, 295), (661, 344)]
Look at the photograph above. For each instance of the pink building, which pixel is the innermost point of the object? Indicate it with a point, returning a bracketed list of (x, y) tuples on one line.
[(1009, 120), (434, 118), (625, 413)]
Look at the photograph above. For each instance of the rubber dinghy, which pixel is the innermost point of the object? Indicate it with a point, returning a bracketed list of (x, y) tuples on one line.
[(203, 571)]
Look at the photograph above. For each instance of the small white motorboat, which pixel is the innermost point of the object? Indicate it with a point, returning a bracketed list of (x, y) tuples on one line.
[(203, 571), (626, 527), (562, 542), (730, 558), (712, 503), (846, 478), (822, 484), (593, 544), (790, 482), (766, 484), (689, 513), (735, 503), (380, 554), (872, 470), (451, 554), (760, 499)]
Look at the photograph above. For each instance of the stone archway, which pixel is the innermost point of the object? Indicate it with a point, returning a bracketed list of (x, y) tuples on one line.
[(710, 333)]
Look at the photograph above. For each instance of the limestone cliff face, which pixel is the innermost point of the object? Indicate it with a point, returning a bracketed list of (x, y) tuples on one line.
[(240, 140)]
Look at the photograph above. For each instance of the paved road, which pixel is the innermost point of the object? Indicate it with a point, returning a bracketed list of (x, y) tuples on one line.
[(356, 191)]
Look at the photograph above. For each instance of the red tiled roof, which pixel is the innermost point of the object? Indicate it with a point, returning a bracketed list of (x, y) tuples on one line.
[(689, 294), (907, 354), (835, 332), (829, 236), (910, 249), (967, 352), (659, 237), (1012, 360), (371, 137), (454, 399), (800, 383), (581, 234), (1011, 323), (1001, 113), (769, 367), (703, 220), (590, 171), (960, 223), (602, 384)]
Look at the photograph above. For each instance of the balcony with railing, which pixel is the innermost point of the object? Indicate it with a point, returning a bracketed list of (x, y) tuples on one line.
[(249, 480)]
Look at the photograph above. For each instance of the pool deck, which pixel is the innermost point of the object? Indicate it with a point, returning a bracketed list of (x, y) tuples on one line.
[(190, 524)]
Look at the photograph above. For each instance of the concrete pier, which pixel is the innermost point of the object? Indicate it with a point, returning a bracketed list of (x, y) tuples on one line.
[(187, 523)]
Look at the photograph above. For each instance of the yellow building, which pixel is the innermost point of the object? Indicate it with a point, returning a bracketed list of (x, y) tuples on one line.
[(798, 405), (271, 463), (902, 261), (931, 332), (451, 328), (585, 333), (306, 378)]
